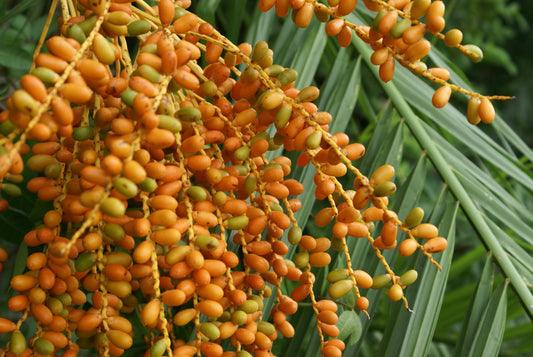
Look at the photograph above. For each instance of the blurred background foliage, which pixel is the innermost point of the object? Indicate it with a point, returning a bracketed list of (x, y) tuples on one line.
[(471, 295)]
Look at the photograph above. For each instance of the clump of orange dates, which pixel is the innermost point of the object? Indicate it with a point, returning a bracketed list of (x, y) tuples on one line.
[(166, 198), (396, 34)]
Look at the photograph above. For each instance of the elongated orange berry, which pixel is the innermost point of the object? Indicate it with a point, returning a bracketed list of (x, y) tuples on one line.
[(166, 11), (407, 247), (486, 111), (150, 313), (6, 325), (425, 231), (345, 7), (417, 50), (441, 96), (435, 245)]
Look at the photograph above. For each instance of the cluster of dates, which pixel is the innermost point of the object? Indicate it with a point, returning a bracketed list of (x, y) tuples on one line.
[(164, 200), (396, 35)]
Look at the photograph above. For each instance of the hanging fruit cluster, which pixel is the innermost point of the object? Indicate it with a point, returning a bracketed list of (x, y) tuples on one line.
[(164, 200), (396, 35)]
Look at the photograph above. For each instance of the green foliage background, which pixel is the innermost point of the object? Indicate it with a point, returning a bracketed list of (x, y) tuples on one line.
[(474, 182)]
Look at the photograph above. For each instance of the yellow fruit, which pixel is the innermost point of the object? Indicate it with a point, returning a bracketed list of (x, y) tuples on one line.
[(395, 292)]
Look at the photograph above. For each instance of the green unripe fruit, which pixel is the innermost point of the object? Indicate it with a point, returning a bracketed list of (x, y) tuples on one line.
[(17, 344), (76, 32), (271, 165), (472, 111), (266, 327), (83, 133), (313, 140), (226, 316), (65, 299), (113, 207), (148, 185), (45, 74), (385, 189), (179, 12), (241, 153), (239, 317), (219, 198), (340, 288), (272, 145), (260, 50), (308, 94), (399, 28), (301, 259), (159, 348), (173, 86), (337, 244), (101, 340), (114, 232), (243, 354), (282, 117), (85, 261), (24, 102), (54, 304), (7, 127), (237, 222), (190, 114), (88, 24), (476, 54), (210, 330), (125, 186), (131, 301), (408, 277), (336, 275), (39, 162), (243, 169), (289, 263), (197, 193), (205, 242), (377, 20), (138, 27), (43, 346), (276, 207), (380, 281), (250, 184), (294, 235), (105, 51), (261, 135), (11, 190), (52, 171), (287, 76), (249, 74), (149, 72), (169, 123), (209, 88), (18, 178), (258, 300), (127, 96), (65, 313), (414, 217), (274, 70), (321, 15), (250, 306)]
